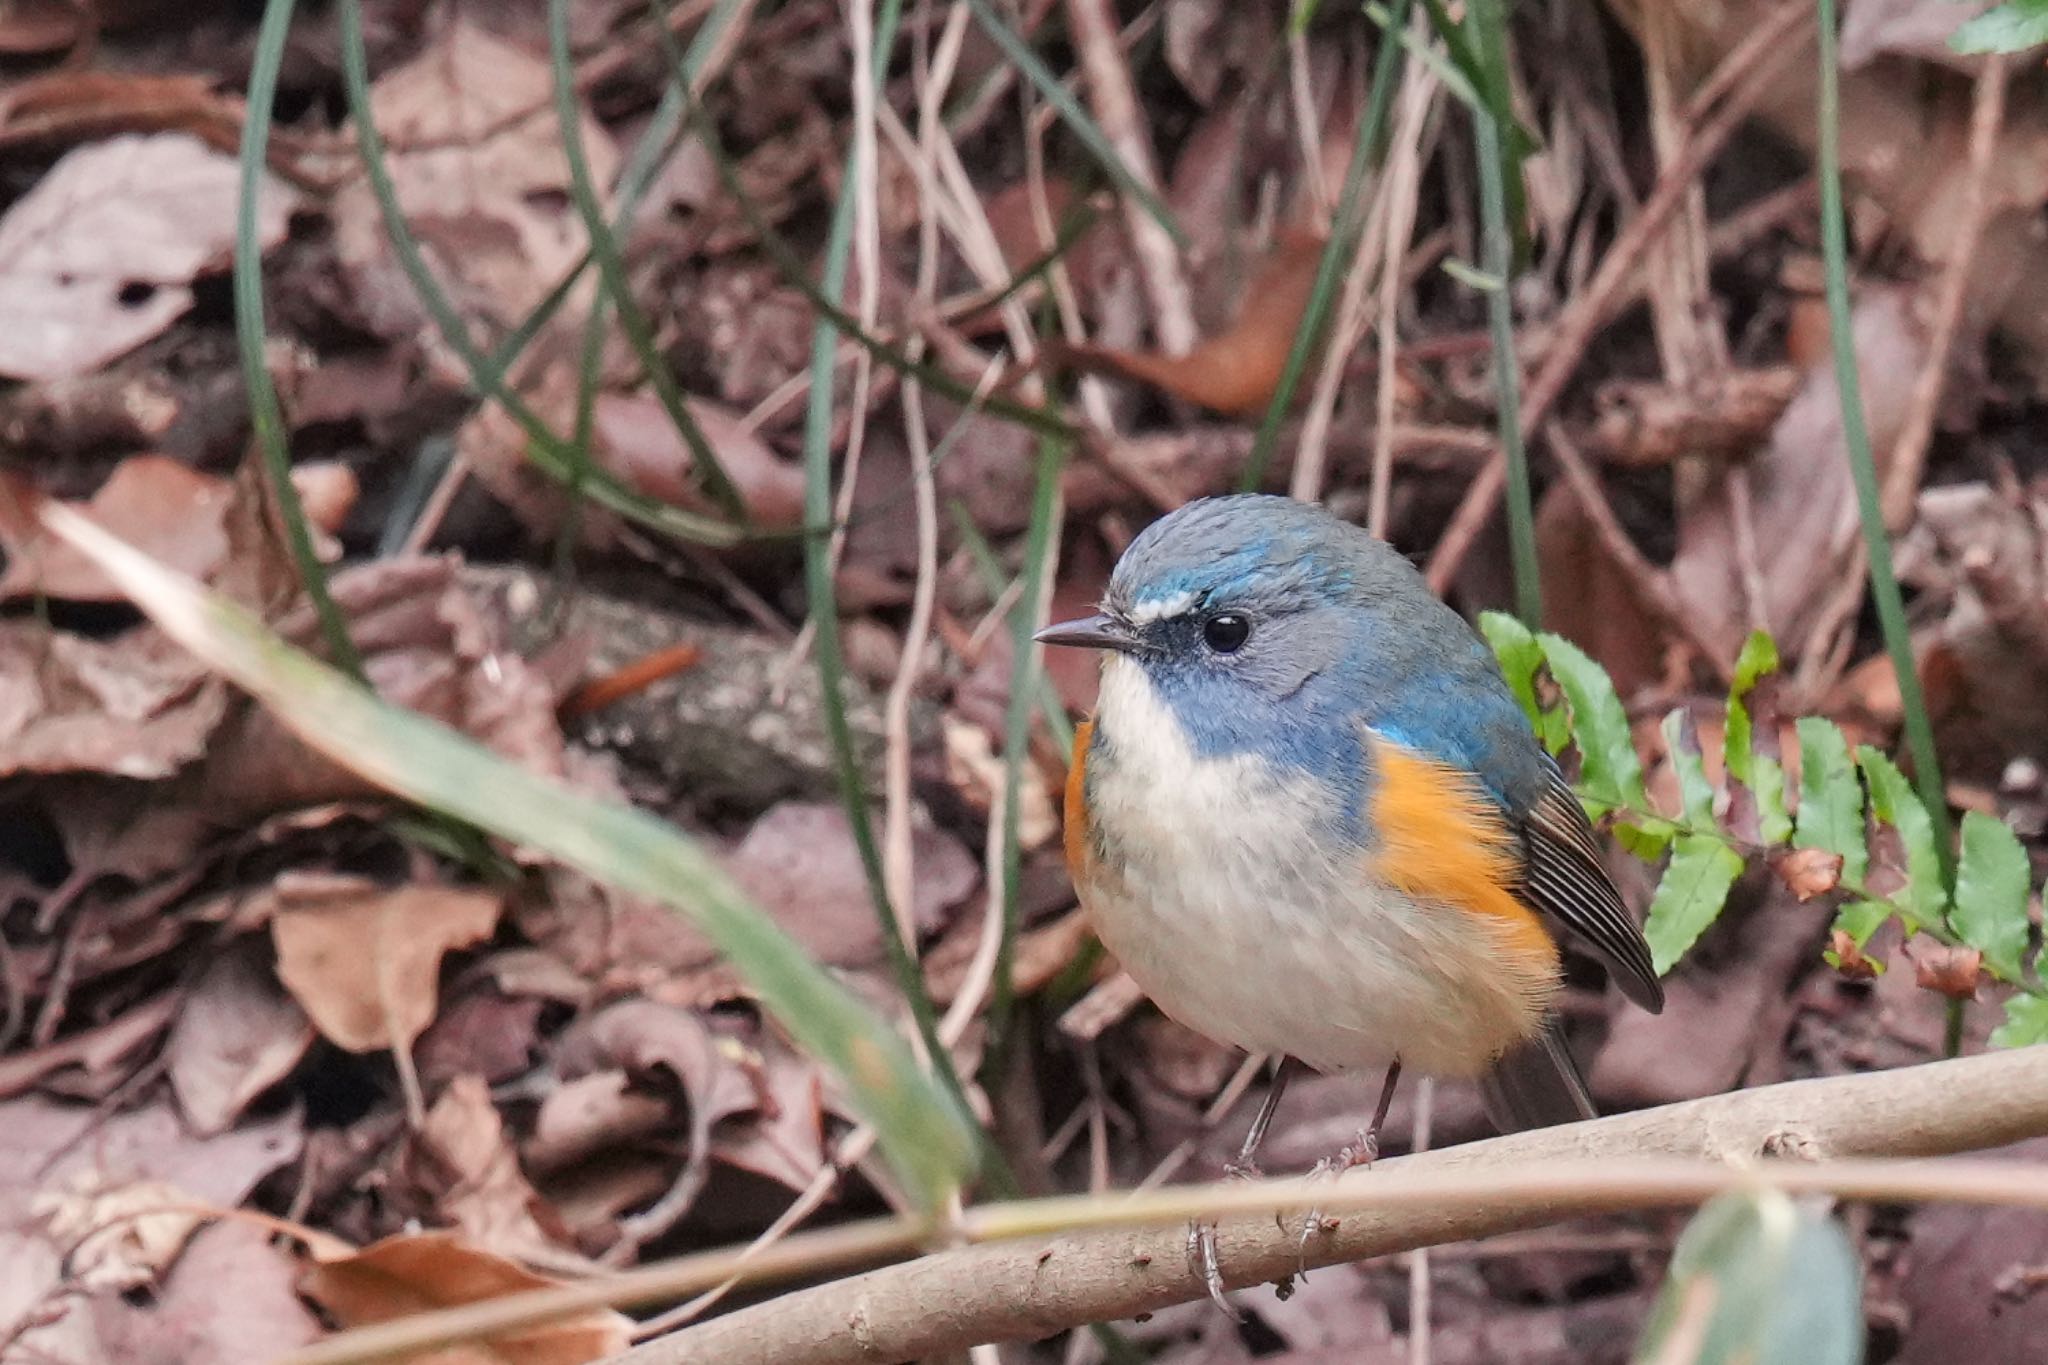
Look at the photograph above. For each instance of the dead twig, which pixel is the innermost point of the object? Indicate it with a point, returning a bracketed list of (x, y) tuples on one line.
[(1909, 452), (1093, 27), (1744, 76)]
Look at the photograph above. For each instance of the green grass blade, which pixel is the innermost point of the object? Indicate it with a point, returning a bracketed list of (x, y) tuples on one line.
[(1071, 113), (1884, 583), (1830, 798), (1689, 896), (1040, 544), (1366, 152), (794, 273), (826, 649), (611, 269), (1992, 878), (266, 414), (548, 452), (924, 1131), (1497, 253)]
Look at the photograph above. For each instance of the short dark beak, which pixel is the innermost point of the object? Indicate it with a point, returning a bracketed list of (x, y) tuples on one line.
[(1090, 632)]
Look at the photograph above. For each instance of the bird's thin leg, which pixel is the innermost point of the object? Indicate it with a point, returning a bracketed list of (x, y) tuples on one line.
[(1243, 1166), (1362, 1151)]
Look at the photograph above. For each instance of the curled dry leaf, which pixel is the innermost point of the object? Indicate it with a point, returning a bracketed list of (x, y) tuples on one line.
[(117, 1234), (134, 706), (1808, 872), (462, 1162), (417, 1273), (1849, 957), (1953, 971), (365, 960), (237, 1034), (476, 158), (165, 508), (99, 257)]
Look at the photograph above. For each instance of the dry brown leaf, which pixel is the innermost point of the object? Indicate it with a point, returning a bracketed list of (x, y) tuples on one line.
[(134, 706), (1237, 371), (799, 862), (480, 1033), (635, 440), (1804, 513), (74, 104), (1850, 959), (188, 1320), (31, 27), (477, 162), (417, 1273), (1808, 872), (365, 960), (168, 510), (1953, 971), (99, 257), (586, 1115), (786, 1143), (463, 1163), (237, 1034), (42, 1142)]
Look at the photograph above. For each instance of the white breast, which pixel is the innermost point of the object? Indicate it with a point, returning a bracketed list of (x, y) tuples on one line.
[(1217, 890)]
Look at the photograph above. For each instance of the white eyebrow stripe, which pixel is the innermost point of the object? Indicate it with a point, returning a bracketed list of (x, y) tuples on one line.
[(1161, 608)]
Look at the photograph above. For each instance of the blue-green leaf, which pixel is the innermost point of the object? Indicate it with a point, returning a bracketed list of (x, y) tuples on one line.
[(1830, 798), (2026, 1022), (1990, 912), (1757, 1280), (1695, 792), (1611, 774), (1922, 901), (1521, 658), (1689, 897), (2013, 27)]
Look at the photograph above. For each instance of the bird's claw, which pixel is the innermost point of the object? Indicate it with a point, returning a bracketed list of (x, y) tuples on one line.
[(1203, 1260), (1363, 1150), (1202, 1255)]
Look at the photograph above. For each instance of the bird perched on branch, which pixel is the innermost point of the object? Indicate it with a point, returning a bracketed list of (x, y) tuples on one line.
[(1311, 820)]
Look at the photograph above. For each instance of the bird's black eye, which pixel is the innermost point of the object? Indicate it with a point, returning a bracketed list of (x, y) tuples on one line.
[(1226, 632)]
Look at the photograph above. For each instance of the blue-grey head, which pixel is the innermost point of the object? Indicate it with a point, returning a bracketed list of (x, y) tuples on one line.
[(1272, 627)]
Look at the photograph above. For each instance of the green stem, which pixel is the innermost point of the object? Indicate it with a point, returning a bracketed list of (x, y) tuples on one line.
[(1497, 254), (266, 414), (818, 587), (1884, 583)]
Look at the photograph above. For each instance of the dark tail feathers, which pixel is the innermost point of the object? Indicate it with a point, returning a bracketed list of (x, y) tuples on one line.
[(1536, 1084)]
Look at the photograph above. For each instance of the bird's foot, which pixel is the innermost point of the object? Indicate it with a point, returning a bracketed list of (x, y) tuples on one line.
[(1362, 1150), (1202, 1256)]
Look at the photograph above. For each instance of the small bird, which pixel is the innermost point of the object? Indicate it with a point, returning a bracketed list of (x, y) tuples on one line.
[(1310, 819)]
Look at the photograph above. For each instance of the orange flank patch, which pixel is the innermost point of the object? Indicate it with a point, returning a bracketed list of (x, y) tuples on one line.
[(1076, 831), (1442, 840)]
